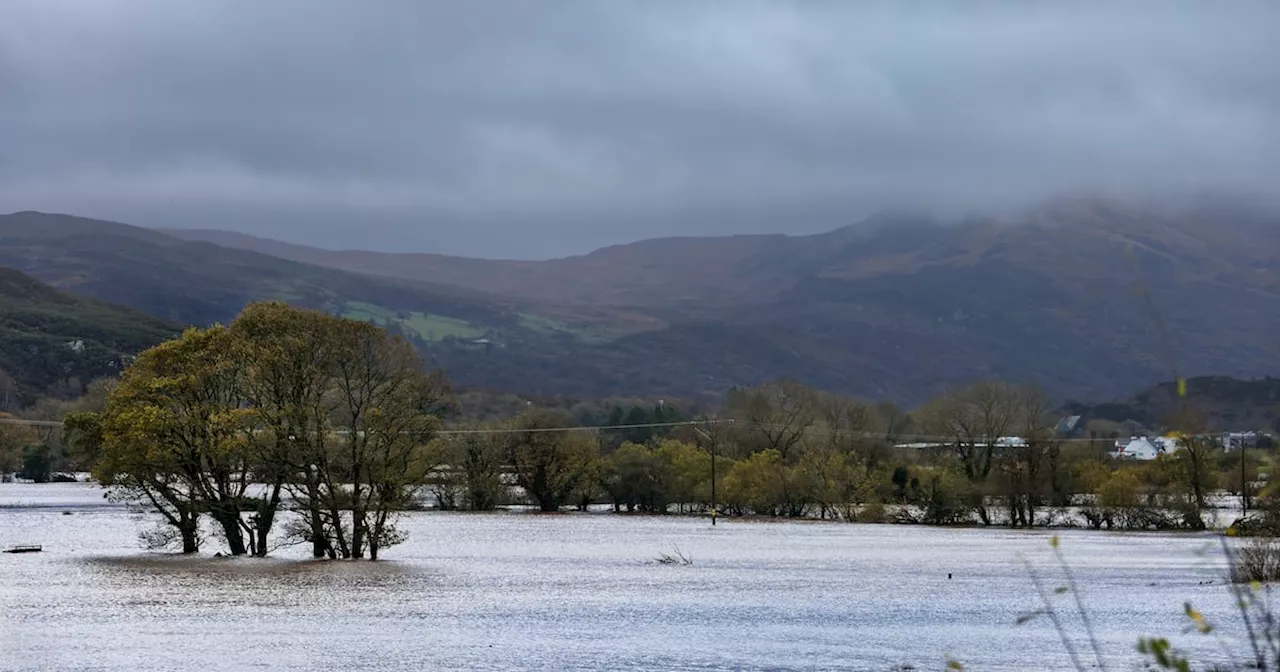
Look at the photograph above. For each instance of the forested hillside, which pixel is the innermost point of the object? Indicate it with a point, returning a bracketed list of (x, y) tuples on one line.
[(53, 343)]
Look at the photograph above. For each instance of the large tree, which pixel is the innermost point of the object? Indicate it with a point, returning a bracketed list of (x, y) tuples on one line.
[(973, 420), (476, 459), (386, 407), (288, 356), (172, 433), (337, 412), (1028, 465), (549, 464)]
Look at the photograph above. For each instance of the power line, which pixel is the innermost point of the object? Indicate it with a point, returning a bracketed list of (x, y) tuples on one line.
[(494, 430), (582, 428), (938, 438), (810, 431)]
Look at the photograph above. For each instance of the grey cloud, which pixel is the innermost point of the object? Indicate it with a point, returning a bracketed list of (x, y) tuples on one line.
[(535, 129)]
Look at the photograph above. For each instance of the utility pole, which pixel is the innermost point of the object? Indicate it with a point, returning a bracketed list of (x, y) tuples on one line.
[(711, 445), (713, 483), (1244, 480)]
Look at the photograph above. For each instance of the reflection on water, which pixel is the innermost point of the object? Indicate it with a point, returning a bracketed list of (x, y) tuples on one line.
[(573, 592)]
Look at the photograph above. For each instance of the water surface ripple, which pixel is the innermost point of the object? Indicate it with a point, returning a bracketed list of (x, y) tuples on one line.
[(578, 592)]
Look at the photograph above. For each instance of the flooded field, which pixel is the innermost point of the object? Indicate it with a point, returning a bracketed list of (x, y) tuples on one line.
[(580, 592)]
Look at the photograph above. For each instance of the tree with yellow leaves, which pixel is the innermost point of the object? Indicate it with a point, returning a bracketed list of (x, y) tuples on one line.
[(337, 412)]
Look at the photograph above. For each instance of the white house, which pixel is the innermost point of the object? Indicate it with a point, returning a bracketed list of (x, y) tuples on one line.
[(1144, 448)]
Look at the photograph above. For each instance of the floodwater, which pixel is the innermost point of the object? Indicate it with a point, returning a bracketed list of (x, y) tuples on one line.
[(583, 592)]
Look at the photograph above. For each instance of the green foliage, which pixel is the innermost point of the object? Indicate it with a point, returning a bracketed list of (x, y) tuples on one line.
[(638, 479), (550, 465), (944, 496), (1120, 491), (37, 464), (689, 472), (477, 460), (652, 478), (335, 410), (764, 485), (15, 442)]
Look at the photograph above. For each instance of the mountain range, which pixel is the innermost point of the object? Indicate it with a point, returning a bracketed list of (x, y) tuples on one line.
[(1089, 298)]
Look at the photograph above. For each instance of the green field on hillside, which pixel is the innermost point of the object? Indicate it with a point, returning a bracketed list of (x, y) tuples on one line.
[(586, 333), (427, 327)]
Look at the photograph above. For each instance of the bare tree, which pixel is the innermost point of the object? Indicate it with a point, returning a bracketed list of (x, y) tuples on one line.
[(1027, 462), (974, 419), (774, 416)]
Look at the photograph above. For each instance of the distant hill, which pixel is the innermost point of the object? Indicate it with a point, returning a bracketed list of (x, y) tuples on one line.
[(198, 282), (901, 306), (1093, 240), (53, 343), (1223, 404), (482, 340), (896, 307)]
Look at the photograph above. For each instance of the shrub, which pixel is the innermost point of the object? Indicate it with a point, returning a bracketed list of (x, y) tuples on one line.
[(1258, 559), (873, 512)]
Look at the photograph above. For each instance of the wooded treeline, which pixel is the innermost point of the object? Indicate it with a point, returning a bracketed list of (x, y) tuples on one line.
[(786, 450)]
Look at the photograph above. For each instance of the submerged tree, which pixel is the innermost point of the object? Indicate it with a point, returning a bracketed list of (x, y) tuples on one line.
[(471, 476), (481, 459), (549, 463), (386, 408), (338, 412), (288, 358), (171, 435)]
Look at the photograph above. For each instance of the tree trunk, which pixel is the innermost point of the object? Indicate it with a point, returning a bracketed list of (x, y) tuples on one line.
[(319, 538), (262, 521), (262, 532), (359, 521), (359, 532), (190, 531), (343, 549), (230, 522)]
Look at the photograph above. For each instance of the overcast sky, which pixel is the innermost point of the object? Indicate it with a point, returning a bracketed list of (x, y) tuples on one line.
[(537, 128)]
